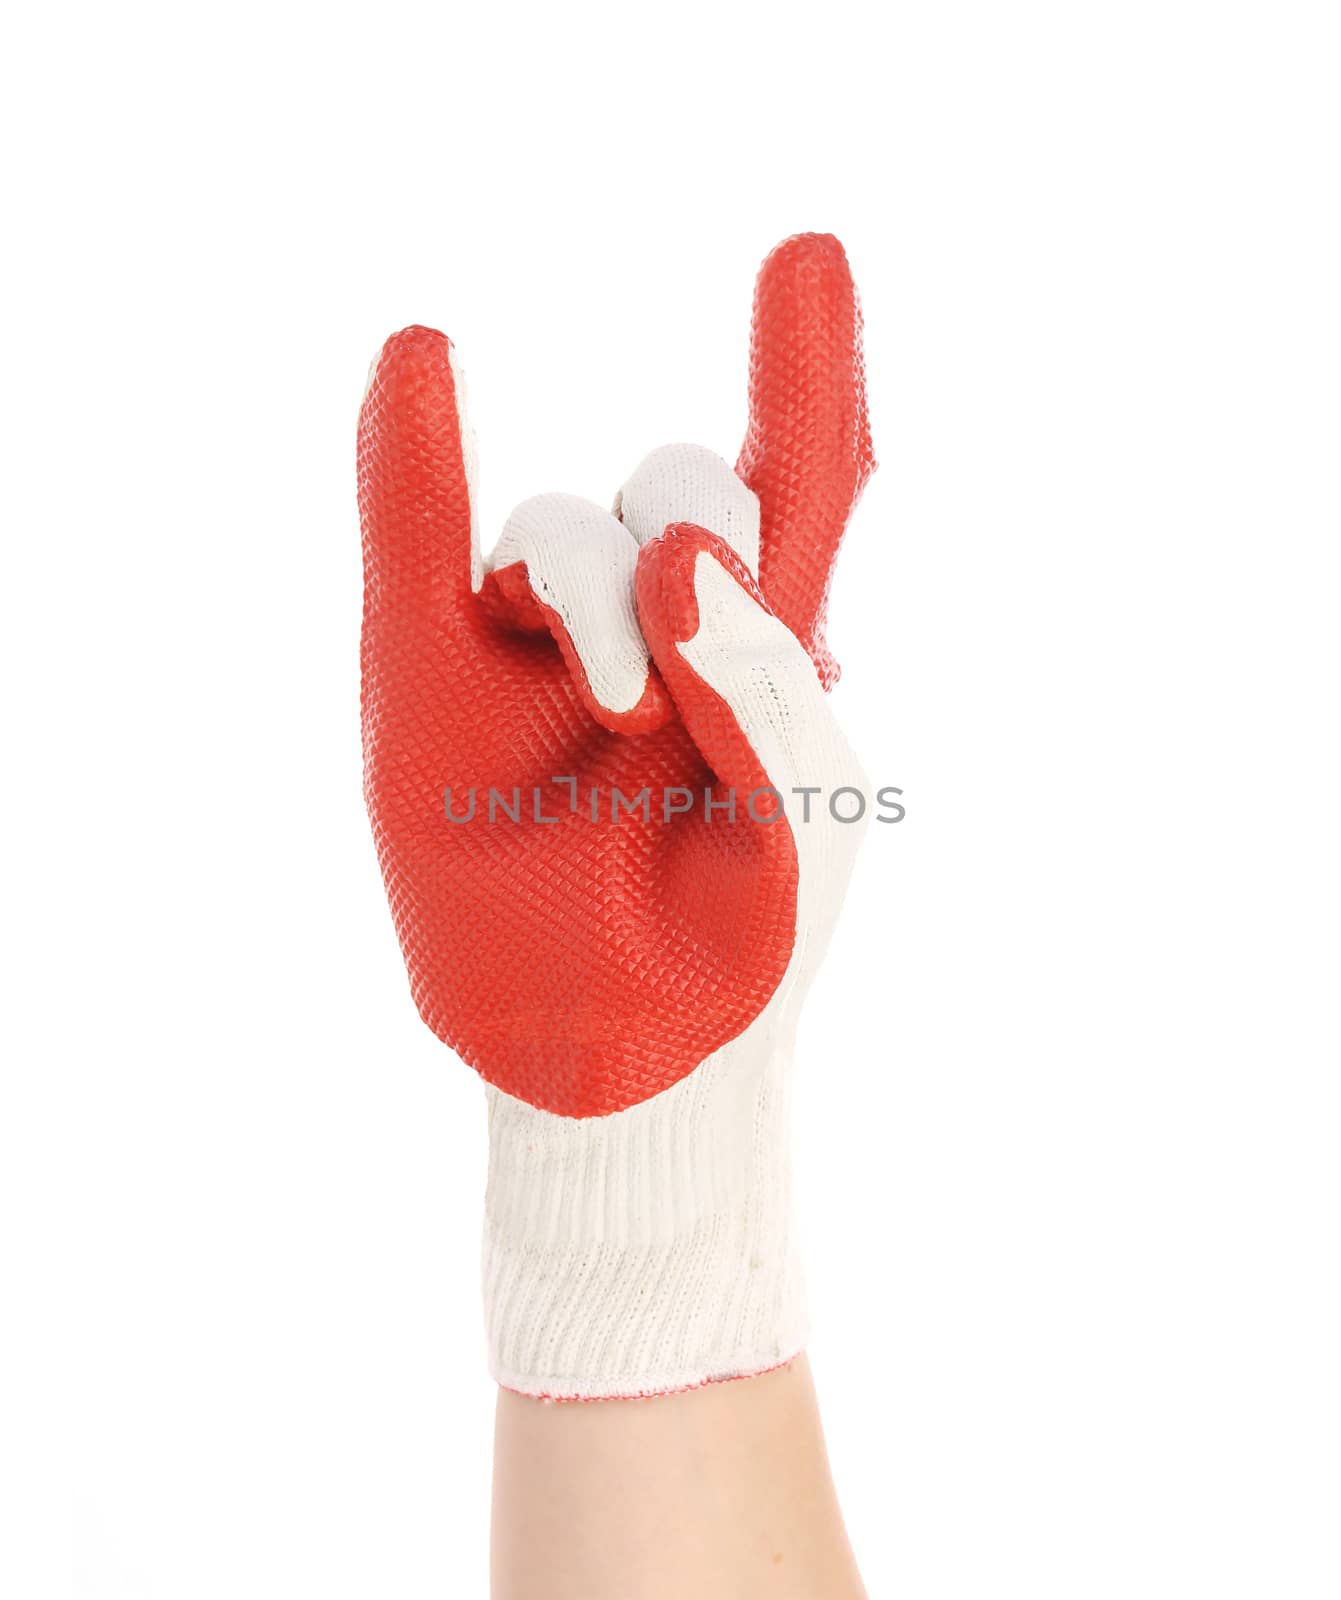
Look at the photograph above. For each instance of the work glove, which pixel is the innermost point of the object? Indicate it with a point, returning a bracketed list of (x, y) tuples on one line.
[(616, 819)]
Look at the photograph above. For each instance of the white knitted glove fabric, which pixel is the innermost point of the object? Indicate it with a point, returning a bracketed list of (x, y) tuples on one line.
[(654, 1249)]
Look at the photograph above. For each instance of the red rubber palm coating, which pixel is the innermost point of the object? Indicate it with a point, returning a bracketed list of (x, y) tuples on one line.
[(581, 966), (586, 966)]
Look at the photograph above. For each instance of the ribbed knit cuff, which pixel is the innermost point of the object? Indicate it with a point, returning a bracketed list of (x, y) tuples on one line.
[(648, 1251)]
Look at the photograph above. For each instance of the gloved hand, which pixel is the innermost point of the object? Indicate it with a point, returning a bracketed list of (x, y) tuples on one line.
[(623, 969)]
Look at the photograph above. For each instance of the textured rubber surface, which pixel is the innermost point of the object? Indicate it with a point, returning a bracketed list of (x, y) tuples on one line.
[(807, 451), (586, 966)]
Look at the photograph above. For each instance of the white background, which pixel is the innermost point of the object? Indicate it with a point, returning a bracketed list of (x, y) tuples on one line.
[(1068, 1133)]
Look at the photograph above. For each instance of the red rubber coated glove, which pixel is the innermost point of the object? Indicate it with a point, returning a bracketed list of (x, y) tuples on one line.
[(627, 981), (579, 967)]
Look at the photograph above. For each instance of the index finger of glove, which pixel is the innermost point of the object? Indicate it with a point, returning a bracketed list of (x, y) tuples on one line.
[(807, 451), (416, 469)]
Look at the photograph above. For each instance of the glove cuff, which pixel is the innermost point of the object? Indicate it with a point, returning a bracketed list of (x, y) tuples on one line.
[(651, 1250)]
